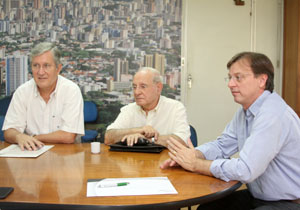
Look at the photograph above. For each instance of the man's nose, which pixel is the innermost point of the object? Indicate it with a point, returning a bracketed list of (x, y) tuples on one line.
[(231, 82), (41, 70), (137, 90)]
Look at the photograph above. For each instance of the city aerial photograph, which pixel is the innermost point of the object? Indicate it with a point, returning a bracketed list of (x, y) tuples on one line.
[(103, 44)]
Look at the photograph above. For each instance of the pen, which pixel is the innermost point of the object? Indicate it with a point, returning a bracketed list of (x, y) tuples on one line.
[(102, 185)]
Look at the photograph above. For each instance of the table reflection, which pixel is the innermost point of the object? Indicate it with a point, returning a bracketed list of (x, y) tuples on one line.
[(52, 167)]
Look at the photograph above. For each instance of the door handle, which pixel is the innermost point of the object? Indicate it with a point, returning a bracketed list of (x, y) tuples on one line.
[(189, 81)]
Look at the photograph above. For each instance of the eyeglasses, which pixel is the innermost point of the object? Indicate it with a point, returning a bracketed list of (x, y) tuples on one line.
[(46, 67), (236, 78)]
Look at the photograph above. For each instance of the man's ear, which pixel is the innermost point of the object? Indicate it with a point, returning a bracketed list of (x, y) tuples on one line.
[(59, 67), (160, 87), (263, 80)]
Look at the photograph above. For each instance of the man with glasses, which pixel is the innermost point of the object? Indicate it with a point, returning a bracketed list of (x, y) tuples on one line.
[(266, 133), (151, 116), (47, 108)]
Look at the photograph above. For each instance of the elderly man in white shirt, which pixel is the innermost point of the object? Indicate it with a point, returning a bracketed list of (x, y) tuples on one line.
[(47, 108), (151, 116)]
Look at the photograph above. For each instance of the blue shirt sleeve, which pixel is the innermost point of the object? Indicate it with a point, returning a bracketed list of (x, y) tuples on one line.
[(268, 138), (265, 130)]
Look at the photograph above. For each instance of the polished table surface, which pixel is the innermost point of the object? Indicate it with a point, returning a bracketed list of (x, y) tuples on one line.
[(58, 180)]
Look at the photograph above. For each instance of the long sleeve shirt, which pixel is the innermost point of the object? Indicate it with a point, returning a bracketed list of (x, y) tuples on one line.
[(267, 135)]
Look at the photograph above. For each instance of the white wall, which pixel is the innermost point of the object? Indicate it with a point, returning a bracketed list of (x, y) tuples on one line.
[(213, 31), (269, 34)]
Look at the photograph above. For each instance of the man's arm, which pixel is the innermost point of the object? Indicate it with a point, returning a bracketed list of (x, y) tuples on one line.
[(11, 135), (57, 137), (180, 129), (114, 135), (162, 140), (71, 116)]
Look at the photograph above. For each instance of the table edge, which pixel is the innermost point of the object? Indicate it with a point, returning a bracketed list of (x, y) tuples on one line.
[(167, 205)]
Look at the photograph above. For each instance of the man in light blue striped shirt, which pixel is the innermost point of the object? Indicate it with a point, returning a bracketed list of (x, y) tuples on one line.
[(266, 132)]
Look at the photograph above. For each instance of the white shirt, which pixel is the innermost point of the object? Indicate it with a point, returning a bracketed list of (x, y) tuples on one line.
[(168, 117), (29, 113)]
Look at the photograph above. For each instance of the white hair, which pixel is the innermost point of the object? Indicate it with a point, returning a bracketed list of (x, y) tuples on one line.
[(157, 78)]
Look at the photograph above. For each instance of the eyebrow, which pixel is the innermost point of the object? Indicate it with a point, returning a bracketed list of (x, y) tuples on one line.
[(235, 73)]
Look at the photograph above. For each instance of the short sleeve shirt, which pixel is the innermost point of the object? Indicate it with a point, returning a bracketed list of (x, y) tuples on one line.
[(29, 113), (168, 117)]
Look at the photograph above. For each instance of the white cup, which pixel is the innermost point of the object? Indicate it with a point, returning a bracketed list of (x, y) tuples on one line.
[(95, 147)]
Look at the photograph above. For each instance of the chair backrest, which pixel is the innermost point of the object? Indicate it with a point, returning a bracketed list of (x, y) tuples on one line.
[(90, 111), (4, 104), (194, 136), (1, 124)]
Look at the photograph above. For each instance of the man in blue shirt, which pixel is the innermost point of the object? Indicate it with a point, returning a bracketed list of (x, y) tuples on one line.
[(266, 133)]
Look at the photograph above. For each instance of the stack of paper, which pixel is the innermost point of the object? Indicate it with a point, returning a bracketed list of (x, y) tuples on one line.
[(130, 186), (15, 151)]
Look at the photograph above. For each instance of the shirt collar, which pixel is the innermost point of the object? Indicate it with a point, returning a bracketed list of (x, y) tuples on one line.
[(158, 104), (155, 108), (35, 89), (254, 108)]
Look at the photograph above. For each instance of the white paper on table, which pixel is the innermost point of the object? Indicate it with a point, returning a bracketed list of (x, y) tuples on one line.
[(15, 151), (136, 186)]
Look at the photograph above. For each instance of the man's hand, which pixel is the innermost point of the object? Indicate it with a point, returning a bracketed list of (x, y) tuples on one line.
[(186, 157), (114, 135), (168, 163), (28, 142), (149, 132), (132, 138)]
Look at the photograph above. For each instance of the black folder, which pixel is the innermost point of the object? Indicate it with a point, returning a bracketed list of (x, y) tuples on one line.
[(149, 148)]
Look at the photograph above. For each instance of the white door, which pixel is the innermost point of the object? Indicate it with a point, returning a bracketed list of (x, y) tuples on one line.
[(214, 31)]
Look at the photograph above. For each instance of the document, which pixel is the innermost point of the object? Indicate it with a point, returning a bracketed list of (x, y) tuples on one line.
[(15, 151), (130, 186)]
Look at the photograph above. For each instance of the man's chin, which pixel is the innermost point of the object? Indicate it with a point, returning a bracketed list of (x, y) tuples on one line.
[(41, 85), (140, 103), (41, 81), (237, 100)]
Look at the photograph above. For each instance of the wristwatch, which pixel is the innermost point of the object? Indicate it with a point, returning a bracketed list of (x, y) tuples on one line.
[(153, 140)]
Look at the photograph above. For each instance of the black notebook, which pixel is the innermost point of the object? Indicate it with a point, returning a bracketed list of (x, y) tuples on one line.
[(148, 148)]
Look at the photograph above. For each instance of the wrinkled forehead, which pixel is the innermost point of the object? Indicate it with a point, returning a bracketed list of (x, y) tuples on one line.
[(45, 57), (143, 77), (240, 66)]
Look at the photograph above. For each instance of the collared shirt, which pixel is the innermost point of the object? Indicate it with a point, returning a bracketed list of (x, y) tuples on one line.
[(29, 113), (168, 117), (268, 138)]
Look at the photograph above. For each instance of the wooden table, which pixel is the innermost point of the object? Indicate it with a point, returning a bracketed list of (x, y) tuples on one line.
[(58, 180)]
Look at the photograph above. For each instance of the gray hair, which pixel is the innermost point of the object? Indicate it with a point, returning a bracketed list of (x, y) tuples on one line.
[(44, 47), (156, 74)]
